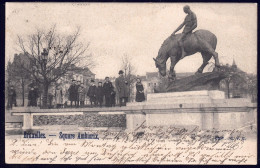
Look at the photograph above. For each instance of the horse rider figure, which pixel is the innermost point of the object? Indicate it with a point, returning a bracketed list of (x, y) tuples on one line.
[(190, 23)]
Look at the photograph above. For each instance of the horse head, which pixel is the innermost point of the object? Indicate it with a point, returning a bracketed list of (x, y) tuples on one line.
[(161, 66), (169, 47)]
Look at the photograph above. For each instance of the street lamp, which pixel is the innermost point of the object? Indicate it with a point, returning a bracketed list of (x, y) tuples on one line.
[(44, 57)]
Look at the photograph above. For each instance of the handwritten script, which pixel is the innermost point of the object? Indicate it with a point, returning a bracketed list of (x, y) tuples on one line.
[(145, 145)]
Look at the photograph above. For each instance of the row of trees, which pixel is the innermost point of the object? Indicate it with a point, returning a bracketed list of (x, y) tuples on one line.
[(238, 80), (47, 56)]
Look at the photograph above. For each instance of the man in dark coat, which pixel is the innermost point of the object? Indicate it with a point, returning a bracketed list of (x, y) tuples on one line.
[(32, 97), (77, 94), (108, 87), (121, 88), (100, 94), (37, 92), (113, 98), (73, 93), (11, 97), (127, 91), (92, 93)]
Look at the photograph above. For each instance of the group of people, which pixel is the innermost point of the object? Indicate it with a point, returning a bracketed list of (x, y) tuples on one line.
[(33, 96), (95, 93), (123, 89), (104, 91), (77, 93)]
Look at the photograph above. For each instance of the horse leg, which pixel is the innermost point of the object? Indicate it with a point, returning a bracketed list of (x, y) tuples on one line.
[(215, 55), (207, 48), (206, 57), (172, 75)]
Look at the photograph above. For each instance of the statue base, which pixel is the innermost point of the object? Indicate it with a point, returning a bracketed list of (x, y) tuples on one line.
[(208, 109), (204, 81), (189, 99)]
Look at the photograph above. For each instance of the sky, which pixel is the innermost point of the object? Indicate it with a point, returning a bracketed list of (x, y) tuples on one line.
[(138, 30)]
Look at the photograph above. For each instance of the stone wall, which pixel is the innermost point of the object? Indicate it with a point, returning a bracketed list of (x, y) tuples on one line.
[(85, 120)]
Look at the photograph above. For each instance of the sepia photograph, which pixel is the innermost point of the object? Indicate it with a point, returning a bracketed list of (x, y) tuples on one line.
[(131, 83)]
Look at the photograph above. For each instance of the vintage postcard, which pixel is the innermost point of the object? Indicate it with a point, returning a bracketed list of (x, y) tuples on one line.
[(131, 83)]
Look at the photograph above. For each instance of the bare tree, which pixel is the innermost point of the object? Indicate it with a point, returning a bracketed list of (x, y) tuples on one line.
[(19, 76), (129, 72), (234, 76), (51, 55)]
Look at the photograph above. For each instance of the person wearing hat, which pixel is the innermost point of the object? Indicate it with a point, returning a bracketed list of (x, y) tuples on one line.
[(81, 94), (100, 94), (113, 98), (72, 93), (139, 91), (121, 88), (77, 96), (190, 23), (11, 97), (92, 93), (58, 96), (32, 96), (127, 91), (107, 87)]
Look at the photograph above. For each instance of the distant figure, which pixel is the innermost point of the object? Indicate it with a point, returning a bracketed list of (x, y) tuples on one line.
[(139, 91), (51, 95), (108, 87), (72, 93), (77, 97), (92, 93), (121, 88), (127, 91), (190, 23), (100, 94), (81, 95), (113, 98), (11, 97), (32, 98), (58, 97), (36, 89)]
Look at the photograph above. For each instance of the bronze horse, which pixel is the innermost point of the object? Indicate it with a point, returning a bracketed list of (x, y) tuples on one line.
[(202, 41)]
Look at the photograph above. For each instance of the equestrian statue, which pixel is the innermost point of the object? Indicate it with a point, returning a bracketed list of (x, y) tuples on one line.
[(178, 46)]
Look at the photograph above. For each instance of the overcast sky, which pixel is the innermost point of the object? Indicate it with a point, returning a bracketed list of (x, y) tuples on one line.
[(138, 30)]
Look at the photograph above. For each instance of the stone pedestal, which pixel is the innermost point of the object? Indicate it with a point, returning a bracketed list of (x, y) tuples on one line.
[(134, 121), (191, 97), (206, 109)]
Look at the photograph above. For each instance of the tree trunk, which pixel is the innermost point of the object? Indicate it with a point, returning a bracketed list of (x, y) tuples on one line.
[(23, 91), (228, 90), (45, 95)]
